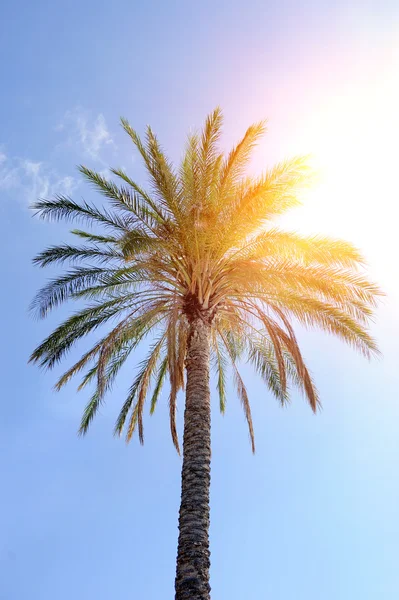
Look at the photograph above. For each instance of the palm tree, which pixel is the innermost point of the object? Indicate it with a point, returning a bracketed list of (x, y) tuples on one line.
[(196, 265)]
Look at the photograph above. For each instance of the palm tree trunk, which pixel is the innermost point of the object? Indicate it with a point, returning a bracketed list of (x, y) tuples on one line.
[(193, 556)]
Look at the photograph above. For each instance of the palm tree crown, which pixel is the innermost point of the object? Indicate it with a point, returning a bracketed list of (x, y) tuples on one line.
[(199, 245)]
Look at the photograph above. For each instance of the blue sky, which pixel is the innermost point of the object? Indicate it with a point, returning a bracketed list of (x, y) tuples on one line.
[(314, 513)]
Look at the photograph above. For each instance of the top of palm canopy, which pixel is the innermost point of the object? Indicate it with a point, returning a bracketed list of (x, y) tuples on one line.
[(199, 243)]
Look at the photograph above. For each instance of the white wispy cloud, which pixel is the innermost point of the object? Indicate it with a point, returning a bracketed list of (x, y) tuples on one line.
[(30, 180), (8, 173), (89, 134)]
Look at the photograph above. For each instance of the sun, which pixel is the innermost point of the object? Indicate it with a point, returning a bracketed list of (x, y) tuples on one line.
[(354, 144)]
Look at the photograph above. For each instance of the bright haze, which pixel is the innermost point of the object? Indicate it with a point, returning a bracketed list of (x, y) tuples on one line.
[(314, 514)]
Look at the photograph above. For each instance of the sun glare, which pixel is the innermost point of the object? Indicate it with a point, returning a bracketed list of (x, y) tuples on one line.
[(354, 145)]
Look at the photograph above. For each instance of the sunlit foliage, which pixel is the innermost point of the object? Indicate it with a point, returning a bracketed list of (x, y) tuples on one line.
[(200, 242)]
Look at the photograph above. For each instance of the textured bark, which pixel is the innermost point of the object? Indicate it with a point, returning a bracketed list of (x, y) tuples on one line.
[(193, 556)]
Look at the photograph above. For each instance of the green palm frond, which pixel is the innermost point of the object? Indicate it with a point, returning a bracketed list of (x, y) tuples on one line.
[(115, 364), (114, 282), (221, 368), (62, 208), (159, 168), (142, 194), (190, 173), (60, 254), (91, 237), (79, 325), (292, 346), (54, 347), (61, 289), (162, 371), (163, 176), (261, 355), (138, 241), (123, 199), (139, 390), (241, 389)]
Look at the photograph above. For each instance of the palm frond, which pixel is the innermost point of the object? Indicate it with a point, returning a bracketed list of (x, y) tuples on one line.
[(77, 326), (313, 313), (138, 241), (139, 390), (208, 152), (238, 159), (261, 355), (307, 250), (123, 199), (162, 371), (61, 289), (60, 254), (242, 393), (190, 173), (221, 366), (292, 346), (172, 417), (91, 237), (142, 193), (119, 358), (159, 168), (258, 202), (66, 209)]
